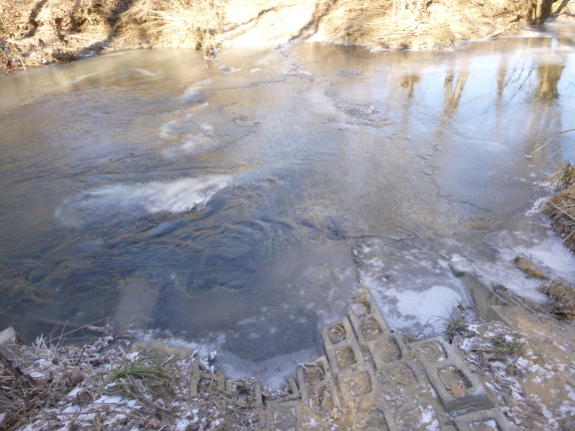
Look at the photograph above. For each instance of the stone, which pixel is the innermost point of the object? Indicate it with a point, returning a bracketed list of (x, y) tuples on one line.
[(10, 344), (529, 268)]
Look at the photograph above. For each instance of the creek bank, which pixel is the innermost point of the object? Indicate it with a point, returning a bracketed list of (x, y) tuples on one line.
[(561, 211), (510, 370), (35, 33)]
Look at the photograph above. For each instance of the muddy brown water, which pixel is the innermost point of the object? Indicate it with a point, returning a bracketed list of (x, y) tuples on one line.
[(256, 192)]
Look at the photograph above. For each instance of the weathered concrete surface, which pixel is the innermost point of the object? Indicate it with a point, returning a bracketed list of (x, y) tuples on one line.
[(370, 379), (10, 344)]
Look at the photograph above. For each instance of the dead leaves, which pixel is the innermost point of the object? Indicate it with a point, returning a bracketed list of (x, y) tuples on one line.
[(457, 390)]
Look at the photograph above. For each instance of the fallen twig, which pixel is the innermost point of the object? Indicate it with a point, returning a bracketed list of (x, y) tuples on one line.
[(564, 212), (89, 326), (545, 144), (496, 33)]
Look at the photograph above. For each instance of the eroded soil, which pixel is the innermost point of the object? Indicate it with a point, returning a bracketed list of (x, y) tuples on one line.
[(38, 32)]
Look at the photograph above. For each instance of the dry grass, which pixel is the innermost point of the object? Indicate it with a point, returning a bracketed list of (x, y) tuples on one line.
[(560, 179), (354, 21), (194, 24)]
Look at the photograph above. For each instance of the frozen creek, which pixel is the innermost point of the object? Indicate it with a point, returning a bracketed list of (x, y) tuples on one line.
[(238, 204)]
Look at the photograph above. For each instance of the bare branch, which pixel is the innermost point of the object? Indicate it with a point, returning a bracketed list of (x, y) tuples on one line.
[(545, 144)]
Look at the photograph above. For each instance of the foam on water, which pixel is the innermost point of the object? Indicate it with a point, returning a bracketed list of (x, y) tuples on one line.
[(175, 197), (187, 135), (190, 194)]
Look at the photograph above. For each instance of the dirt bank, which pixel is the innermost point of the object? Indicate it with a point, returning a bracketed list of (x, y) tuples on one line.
[(38, 32)]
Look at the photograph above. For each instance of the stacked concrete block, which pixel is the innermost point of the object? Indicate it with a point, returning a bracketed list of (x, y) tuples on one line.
[(359, 390), (247, 393), (372, 332), (318, 390), (341, 346), (292, 395), (455, 385), (201, 379), (404, 392), (485, 419)]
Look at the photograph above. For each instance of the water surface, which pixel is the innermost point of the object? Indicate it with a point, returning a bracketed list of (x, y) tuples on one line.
[(255, 193)]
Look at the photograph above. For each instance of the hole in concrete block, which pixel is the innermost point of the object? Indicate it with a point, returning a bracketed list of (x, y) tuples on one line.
[(206, 384), (361, 308), (313, 372), (432, 351), (489, 425), (336, 333), (451, 377), (357, 384), (321, 399), (370, 328), (244, 392), (345, 357), (388, 350)]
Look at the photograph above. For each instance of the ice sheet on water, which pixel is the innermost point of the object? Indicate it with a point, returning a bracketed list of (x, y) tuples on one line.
[(413, 286), (431, 307), (178, 196), (206, 348), (145, 72), (532, 240), (272, 373)]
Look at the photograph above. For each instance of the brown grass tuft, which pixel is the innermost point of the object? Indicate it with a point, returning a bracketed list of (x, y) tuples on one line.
[(194, 24), (354, 21)]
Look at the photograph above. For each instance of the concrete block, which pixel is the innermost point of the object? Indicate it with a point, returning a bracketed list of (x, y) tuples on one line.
[(361, 394), (317, 386), (372, 332), (492, 419), (248, 393), (447, 372), (292, 395), (432, 349), (387, 349), (284, 416), (10, 344), (483, 297), (364, 313), (201, 381), (357, 381), (341, 345), (407, 372)]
